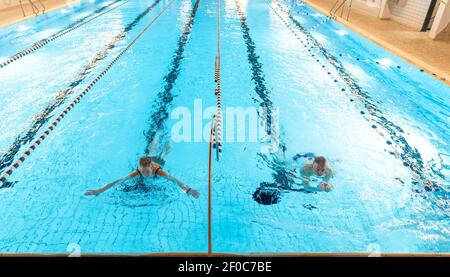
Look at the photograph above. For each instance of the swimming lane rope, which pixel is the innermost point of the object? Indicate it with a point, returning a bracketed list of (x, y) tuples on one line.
[(319, 23), (217, 136), (38, 141), (58, 34)]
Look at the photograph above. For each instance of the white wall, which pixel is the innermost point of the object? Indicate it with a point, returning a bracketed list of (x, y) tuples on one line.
[(441, 20), (409, 12)]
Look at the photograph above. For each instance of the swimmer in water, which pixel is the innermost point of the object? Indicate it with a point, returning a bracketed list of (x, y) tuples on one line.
[(318, 168), (145, 169)]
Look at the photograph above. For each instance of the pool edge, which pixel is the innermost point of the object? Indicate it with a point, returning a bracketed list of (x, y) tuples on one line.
[(11, 21)]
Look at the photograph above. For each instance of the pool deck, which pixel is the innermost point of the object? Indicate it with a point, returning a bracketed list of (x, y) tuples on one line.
[(416, 47), (13, 14)]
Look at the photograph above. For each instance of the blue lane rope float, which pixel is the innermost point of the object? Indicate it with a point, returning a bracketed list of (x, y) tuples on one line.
[(41, 43), (7, 158), (319, 23), (409, 156), (37, 142)]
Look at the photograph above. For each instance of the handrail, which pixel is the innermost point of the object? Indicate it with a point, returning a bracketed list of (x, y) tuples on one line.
[(339, 5), (349, 9), (43, 6), (333, 7), (210, 190), (215, 136), (212, 140), (34, 8), (21, 7)]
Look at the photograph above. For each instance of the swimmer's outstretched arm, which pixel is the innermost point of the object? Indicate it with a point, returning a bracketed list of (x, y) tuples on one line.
[(182, 185), (96, 192)]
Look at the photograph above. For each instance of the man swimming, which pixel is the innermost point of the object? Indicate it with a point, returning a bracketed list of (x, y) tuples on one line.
[(317, 169), (146, 169)]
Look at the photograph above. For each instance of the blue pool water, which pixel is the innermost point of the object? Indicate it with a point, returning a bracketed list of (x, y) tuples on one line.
[(382, 123)]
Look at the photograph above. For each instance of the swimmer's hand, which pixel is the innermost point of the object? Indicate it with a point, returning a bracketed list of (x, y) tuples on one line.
[(93, 192), (325, 187), (194, 193)]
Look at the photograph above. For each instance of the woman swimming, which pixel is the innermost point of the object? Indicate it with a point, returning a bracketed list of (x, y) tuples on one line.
[(147, 168)]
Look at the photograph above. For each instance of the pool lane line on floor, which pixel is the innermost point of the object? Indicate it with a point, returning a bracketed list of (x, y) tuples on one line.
[(11, 169), (280, 176), (256, 68), (410, 157), (165, 97), (41, 43), (7, 158)]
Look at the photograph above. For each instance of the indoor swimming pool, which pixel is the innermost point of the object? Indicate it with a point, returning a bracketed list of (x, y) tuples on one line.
[(315, 86)]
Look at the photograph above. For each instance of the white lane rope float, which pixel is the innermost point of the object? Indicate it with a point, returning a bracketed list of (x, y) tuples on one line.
[(46, 41), (38, 141)]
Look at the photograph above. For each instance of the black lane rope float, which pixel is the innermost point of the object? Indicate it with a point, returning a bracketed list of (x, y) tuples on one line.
[(401, 149), (165, 97), (39, 120), (38, 141), (256, 68), (80, 22)]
